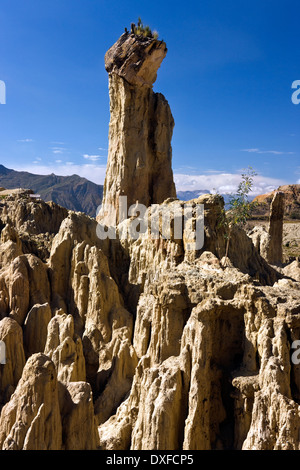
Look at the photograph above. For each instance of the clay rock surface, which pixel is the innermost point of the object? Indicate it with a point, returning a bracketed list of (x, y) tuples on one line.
[(212, 347), (136, 59), (189, 365), (28, 227), (274, 255), (30, 216), (78, 419), (64, 348), (31, 419), (10, 373), (35, 328)]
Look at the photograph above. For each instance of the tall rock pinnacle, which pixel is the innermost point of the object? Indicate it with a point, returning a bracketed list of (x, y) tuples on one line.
[(140, 129), (274, 254)]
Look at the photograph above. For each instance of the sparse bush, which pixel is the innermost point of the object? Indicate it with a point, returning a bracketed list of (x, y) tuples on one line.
[(141, 30), (240, 208)]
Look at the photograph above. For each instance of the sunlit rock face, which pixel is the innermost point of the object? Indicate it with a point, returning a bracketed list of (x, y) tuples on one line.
[(141, 127)]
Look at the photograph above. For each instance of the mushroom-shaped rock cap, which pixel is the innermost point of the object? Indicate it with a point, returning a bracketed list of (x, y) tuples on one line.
[(136, 58)]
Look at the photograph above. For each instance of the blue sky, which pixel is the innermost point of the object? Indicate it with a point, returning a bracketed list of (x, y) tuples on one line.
[(227, 76)]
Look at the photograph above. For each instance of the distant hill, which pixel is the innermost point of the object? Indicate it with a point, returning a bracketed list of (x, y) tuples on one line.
[(72, 192), (292, 202), (188, 195)]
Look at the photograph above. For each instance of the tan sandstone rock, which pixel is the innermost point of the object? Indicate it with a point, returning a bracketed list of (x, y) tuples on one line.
[(10, 373), (274, 255), (78, 420), (31, 419), (35, 328), (65, 349), (140, 130)]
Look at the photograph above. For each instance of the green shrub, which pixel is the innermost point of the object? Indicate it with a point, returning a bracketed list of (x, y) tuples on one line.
[(140, 30), (240, 208)]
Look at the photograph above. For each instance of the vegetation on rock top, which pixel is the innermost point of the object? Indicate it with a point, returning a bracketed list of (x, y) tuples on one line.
[(141, 30)]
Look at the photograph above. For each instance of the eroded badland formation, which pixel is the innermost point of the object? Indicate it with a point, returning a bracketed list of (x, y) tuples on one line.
[(144, 344)]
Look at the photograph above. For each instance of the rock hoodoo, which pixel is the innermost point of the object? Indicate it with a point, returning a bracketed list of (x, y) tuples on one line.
[(269, 240), (276, 229), (141, 126)]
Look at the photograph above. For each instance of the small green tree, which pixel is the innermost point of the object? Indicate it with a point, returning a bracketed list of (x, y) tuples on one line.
[(240, 208)]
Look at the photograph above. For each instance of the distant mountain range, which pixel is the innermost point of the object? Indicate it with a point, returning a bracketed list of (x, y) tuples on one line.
[(72, 192)]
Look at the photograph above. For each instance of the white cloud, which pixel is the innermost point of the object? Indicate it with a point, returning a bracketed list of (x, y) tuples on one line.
[(93, 158), (224, 183), (194, 170), (250, 150), (272, 152), (58, 150), (25, 140)]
